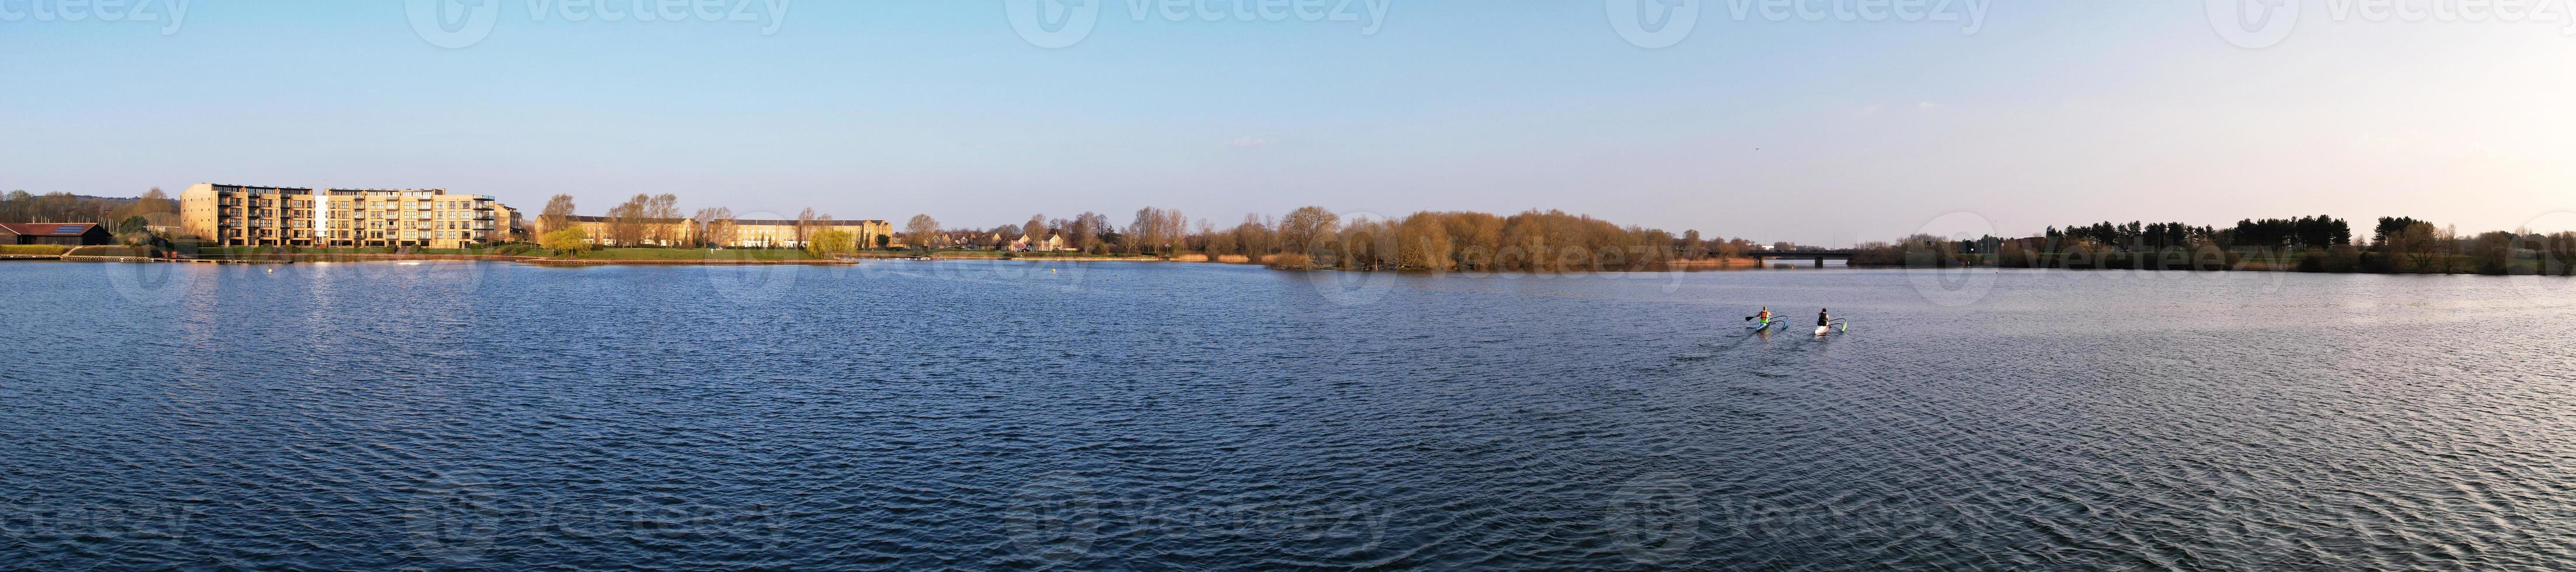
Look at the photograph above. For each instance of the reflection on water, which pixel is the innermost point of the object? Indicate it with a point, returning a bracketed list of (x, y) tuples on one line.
[(1135, 415)]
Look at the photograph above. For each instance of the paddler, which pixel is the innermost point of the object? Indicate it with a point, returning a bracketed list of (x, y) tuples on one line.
[(1765, 316), (1824, 317)]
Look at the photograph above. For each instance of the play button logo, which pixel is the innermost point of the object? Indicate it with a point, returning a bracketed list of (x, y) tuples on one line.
[(1653, 24), (2254, 24)]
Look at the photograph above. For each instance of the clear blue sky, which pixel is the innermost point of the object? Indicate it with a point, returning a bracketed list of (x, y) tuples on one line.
[(1821, 132)]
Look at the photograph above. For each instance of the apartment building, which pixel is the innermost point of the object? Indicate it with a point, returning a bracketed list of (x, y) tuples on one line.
[(751, 233), (246, 215)]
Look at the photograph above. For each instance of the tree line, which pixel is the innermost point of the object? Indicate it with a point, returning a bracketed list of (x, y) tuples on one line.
[(2307, 244), (112, 212), (1317, 238), (134, 220)]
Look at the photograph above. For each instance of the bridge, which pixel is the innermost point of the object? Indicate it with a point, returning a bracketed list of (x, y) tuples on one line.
[(1819, 255)]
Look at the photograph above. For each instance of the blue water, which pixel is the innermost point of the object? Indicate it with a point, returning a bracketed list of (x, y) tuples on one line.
[(982, 415)]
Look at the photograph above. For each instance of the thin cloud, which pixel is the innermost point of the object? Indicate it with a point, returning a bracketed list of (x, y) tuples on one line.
[(1930, 105), (1248, 143)]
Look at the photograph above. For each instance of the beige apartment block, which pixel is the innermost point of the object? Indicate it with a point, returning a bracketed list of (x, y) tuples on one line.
[(246, 215)]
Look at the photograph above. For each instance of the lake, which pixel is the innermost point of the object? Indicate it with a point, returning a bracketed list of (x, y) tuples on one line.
[(923, 415)]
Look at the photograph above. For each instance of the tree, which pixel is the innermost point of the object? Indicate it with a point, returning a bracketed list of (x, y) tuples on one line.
[(1255, 238), (918, 231), (626, 222), (2391, 226), (154, 207), (832, 242), (1423, 243), (557, 214), (1035, 231), (2560, 257), (805, 224), (2493, 252), (566, 240), (884, 241), (1145, 231), (662, 213), (2417, 245), (1083, 232), (1304, 229), (717, 226)]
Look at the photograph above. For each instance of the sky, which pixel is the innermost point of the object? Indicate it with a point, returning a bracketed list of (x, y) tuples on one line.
[(1814, 121)]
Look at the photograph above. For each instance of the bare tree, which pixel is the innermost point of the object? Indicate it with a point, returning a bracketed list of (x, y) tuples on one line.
[(716, 227), (1304, 229), (1255, 238), (626, 222), (662, 214), (1175, 228), (921, 230), (1083, 232), (804, 225), (1143, 231), (557, 214)]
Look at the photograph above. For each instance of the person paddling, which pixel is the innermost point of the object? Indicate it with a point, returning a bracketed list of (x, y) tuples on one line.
[(1765, 316), (1824, 317)]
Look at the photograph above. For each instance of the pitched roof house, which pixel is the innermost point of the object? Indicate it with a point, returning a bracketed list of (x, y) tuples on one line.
[(63, 233)]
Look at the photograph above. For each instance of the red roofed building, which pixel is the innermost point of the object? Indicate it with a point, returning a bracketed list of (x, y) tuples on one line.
[(63, 233)]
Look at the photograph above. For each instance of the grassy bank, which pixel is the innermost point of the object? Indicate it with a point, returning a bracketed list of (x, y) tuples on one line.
[(33, 249)]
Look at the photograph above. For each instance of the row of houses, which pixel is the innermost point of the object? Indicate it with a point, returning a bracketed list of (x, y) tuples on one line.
[(1053, 242), (735, 233)]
